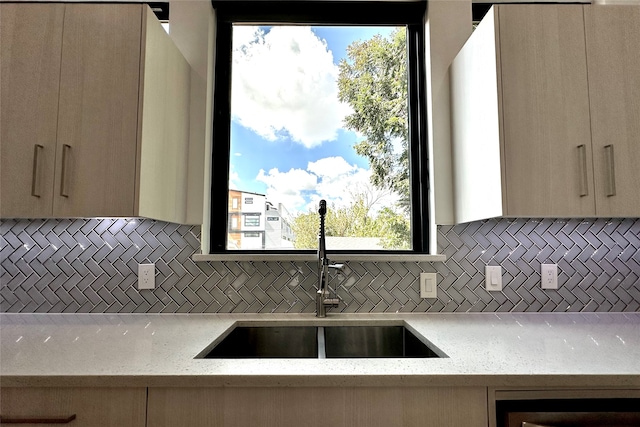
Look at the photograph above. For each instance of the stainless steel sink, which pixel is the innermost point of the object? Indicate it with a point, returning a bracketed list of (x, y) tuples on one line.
[(254, 342), (377, 341), (373, 341)]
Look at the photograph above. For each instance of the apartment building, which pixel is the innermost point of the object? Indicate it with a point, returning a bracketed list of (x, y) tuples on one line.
[(256, 223)]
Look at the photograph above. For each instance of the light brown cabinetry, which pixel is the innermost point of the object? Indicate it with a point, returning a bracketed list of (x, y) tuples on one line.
[(613, 60), (521, 134), (81, 407), (31, 43), (524, 108), (98, 111), (546, 141), (115, 130), (318, 406)]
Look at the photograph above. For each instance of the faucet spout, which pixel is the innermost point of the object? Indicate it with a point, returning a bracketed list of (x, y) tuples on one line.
[(322, 295)]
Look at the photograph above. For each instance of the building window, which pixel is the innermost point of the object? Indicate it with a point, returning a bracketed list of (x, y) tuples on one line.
[(274, 22), (252, 220), (273, 218), (248, 200)]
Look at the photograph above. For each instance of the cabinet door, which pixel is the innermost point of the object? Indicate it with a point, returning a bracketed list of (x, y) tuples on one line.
[(106, 407), (164, 157), (545, 104), (318, 407), (613, 54), (98, 117), (31, 42)]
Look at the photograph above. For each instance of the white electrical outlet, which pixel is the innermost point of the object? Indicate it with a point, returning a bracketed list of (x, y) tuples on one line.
[(493, 277), (146, 276), (428, 285), (549, 276)]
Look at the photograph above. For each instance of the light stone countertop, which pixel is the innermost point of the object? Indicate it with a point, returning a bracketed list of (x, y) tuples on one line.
[(485, 349)]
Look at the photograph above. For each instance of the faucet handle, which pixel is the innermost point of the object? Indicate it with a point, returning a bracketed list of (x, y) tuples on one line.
[(331, 302), (339, 267)]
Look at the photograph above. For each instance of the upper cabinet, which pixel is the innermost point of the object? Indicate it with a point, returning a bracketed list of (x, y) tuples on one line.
[(31, 46), (523, 111), (95, 113), (98, 111), (613, 61)]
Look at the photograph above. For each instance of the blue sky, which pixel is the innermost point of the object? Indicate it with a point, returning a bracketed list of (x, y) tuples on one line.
[(287, 136)]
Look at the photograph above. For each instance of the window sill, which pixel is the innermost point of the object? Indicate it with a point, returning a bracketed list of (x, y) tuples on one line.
[(342, 257)]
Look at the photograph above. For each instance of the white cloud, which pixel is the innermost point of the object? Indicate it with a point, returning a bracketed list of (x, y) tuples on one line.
[(338, 189), (331, 167), (330, 178), (287, 187), (284, 83), (234, 180)]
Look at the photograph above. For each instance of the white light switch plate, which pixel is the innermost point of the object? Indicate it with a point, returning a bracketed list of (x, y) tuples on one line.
[(493, 277), (428, 285), (146, 276)]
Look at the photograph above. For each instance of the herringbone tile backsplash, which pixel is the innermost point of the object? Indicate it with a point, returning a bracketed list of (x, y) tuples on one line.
[(78, 266)]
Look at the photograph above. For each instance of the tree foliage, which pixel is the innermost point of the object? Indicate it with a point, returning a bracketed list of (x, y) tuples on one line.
[(355, 220), (373, 81)]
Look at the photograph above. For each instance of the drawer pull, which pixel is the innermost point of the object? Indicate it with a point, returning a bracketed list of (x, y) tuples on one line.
[(37, 420), (65, 170), (582, 164), (611, 171), (35, 177)]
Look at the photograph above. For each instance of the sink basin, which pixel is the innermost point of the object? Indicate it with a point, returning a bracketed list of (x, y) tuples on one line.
[(286, 342), (373, 341), (252, 342)]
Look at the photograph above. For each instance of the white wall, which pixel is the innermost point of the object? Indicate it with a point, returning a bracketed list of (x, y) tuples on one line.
[(192, 27), (448, 25)]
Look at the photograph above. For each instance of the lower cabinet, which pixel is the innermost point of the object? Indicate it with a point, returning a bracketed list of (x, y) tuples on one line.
[(78, 407), (318, 406), (311, 406), (564, 407)]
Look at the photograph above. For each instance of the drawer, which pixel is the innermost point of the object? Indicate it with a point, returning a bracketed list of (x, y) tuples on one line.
[(78, 407)]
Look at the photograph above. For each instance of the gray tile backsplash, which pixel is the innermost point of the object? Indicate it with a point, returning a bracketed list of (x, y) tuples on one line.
[(90, 265)]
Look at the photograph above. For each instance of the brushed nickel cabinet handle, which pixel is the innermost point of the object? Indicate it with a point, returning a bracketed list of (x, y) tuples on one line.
[(611, 171), (35, 177), (65, 170), (582, 163), (37, 420)]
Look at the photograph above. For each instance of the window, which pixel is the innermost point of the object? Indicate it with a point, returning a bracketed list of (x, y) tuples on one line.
[(248, 200), (252, 220), (267, 15)]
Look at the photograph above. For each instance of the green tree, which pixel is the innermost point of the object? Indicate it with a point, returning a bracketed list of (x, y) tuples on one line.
[(373, 81), (305, 227), (394, 230), (355, 220)]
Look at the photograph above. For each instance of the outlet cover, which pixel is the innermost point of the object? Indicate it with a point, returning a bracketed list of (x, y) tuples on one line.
[(428, 285), (146, 276), (493, 277), (549, 276)]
